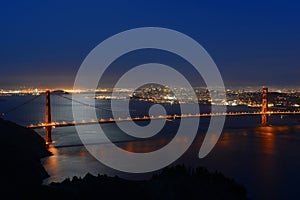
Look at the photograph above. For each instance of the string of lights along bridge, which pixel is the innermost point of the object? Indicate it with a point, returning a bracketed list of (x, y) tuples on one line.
[(48, 125)]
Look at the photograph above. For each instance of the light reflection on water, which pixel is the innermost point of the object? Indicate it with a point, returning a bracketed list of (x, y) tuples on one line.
[(265, 160)]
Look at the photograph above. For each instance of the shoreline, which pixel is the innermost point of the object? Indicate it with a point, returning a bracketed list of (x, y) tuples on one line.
[(25, 174)]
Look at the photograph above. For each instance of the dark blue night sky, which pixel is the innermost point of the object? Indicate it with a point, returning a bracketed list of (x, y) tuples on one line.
[(252, 42)]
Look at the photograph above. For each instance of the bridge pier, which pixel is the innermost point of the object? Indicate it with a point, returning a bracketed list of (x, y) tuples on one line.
[(264, 108), (48, 137)]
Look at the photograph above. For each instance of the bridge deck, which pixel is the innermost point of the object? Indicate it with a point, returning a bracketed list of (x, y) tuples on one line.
[(169, 117)]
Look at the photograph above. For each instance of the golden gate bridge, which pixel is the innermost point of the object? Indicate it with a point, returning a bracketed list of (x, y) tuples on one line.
[(49, 124)]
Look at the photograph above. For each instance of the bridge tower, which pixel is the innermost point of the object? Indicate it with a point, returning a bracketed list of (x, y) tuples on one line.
[(264, 108), (48, 137)]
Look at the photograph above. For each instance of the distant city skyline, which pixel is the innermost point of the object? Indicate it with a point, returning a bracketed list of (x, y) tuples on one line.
[(253, 44), (30, 89)]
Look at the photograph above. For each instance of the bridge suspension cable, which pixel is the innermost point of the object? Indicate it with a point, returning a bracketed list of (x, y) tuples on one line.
[(82, 103), (20, 105)]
